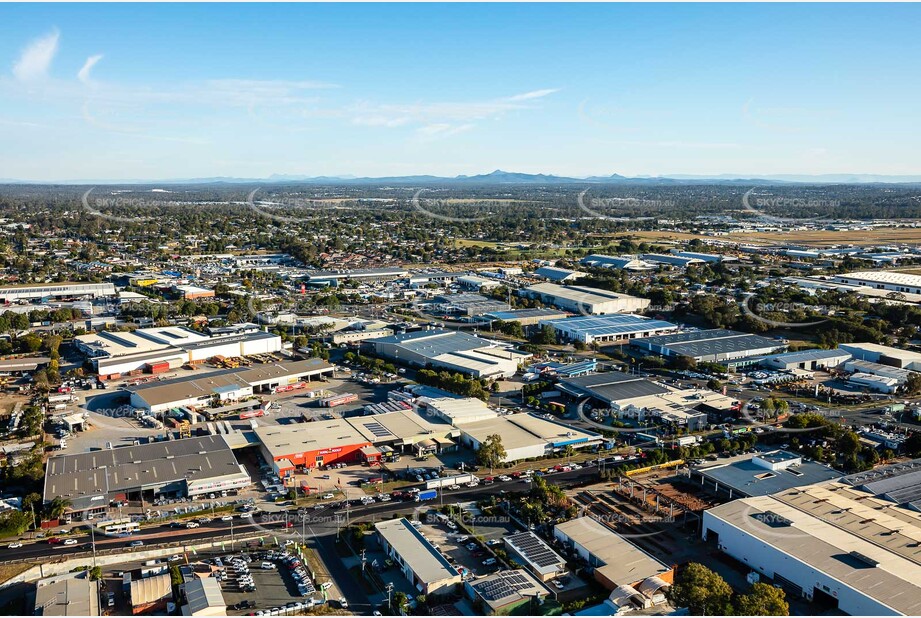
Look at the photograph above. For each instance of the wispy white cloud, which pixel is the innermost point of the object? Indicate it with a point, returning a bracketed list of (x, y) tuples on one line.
[(534, 94), (84, 74), (441, 117), (443, 129), (36, 58)]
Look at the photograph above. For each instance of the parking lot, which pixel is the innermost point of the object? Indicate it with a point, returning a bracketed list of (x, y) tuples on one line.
[(462, 550), (271, 582)]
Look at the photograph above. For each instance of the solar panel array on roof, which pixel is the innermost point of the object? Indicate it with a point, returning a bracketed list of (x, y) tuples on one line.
[(531, 547), (610, 324), (377, 429), (503, 585)]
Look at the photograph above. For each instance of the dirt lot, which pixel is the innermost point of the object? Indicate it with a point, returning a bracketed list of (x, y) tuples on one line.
[(816, 238)]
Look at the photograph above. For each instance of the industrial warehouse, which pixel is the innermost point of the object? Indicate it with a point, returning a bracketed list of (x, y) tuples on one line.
[(608, 328), (584, 300), (847, 546), (451, 350), (115, 354), (637, 398), (617, 564), (349, 440), (437, 425), (225, 385), (717, 345), (174, 468), (14, 293)]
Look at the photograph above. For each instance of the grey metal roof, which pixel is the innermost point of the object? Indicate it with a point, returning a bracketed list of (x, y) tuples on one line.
[(749, 479), (435, 342), (610, 324), (900, 483), (809, 355), (223, 340), (416, 551), (612, 386), (519, 314), (704, 343), (83, 476)]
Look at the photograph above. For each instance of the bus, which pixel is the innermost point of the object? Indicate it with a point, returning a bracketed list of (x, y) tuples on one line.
[(122, 526)]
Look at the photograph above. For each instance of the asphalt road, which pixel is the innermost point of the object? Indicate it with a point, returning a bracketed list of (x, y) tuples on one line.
[(319, 529)]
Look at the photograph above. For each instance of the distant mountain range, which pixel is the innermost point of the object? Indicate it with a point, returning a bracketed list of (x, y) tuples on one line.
[(500, 177)]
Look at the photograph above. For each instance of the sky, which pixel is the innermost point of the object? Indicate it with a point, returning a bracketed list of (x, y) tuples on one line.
[(147, 91)]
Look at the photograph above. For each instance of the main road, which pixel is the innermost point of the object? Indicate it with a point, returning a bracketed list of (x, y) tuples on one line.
[(317, 528)]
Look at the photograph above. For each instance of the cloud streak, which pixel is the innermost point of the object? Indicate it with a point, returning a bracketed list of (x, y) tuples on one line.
[(84, 74), (36, 58)]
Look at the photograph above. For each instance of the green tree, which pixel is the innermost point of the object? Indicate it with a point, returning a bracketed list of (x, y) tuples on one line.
[(912, 385), (491, 452), (702, 591), (848, 444), (763, 600), (57, 507)]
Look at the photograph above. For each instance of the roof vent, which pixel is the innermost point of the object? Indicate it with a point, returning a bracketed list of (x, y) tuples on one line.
[(864, 558)]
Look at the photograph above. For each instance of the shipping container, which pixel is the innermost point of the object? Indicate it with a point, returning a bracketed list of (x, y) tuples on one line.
[(338, 400)]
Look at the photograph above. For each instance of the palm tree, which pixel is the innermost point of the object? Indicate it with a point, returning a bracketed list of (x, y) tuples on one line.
[(57, 507)]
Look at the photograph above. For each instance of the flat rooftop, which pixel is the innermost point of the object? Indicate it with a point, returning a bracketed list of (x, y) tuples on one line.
[(623, 562), (839, 532), (87, 478), (710, 342), (749, 479), (607, 325), (524, 430), (805, 356), (283, 440), (612, 386), (401, 425), (507, 587), (579, 294), (421, 557), (192, 386), (226, 339)]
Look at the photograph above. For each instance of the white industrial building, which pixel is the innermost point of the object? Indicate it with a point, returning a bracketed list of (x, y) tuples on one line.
[(876, 369), (884, 355), (808, 360), (839, 546), (558, 275), (456, 410), (226, 385), (617, 327), (584, 300), (670, 259), (883, 280), (452, 350), (526, 436), (616, 563), (712, 258), (421, 564), (14, 293), (879, 384), (117, 353), (476, 283), (625, 262)]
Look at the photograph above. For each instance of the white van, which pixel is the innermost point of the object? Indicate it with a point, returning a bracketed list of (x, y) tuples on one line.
[(267, 565)]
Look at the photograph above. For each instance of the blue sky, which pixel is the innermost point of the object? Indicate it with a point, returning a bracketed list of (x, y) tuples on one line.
[(176, 91)]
